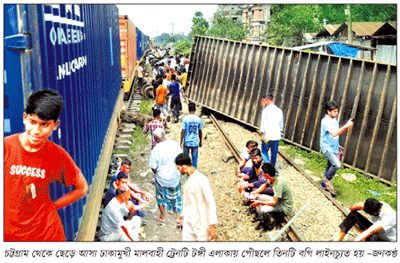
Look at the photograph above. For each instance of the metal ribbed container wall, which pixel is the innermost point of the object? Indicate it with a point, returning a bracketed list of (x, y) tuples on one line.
[(231, 78), (75, 50), (127, 32), (142, 43)]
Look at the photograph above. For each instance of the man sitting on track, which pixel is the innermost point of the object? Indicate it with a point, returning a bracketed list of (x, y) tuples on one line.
[(255, 177), (138, 197), (272, 207), (382, 228), (245, 163), (113, 225)]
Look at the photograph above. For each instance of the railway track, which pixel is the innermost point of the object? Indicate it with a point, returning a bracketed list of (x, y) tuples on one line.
[(293, 232), (122, 143)]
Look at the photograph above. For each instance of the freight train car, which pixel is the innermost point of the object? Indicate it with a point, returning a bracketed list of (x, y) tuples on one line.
[(75, 50), (142, 43), (133, 46), (127, 31)]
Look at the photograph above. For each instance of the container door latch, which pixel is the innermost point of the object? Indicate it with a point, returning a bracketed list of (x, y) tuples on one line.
[(18, 41)]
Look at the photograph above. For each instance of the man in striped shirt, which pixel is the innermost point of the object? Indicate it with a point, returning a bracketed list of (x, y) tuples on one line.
[(154, 124)]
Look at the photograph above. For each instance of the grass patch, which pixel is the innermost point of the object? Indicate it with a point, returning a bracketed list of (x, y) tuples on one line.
[(139, 140), (146, 106), (348, 192)]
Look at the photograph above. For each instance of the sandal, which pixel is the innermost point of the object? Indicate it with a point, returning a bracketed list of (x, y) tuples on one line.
[(159, 219), (178, 223)]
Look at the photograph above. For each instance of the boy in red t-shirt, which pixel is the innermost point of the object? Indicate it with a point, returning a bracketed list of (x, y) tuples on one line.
[(31, 163)]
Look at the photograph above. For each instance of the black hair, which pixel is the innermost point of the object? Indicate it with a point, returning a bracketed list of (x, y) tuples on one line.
[(269, 169), (119, 191), (121, 175), (126, 161), (255, 152), (183, 159), (330, 106), (173, 77), (192, 107), (269, 96), (156, 113), (371, 206), (252, 143), (46, 104)]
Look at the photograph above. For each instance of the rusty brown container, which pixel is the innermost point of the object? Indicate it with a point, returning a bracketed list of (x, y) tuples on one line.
[(231, 77), (127, 32)]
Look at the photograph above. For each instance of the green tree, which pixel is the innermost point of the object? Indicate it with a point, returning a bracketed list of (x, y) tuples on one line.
[(183, 47), (335, 14), (225, 27), (290, 22), (200, 25)]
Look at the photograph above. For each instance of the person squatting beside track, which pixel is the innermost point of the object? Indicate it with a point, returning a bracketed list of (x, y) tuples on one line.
[(118, 222), (382, 228)]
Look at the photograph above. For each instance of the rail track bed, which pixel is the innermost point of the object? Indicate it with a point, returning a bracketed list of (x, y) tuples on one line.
[(318, 222)]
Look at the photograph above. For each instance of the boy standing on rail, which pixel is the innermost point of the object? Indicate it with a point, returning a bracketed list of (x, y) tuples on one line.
[(329, 143), (31, 163), (270, 129), (191, 134)]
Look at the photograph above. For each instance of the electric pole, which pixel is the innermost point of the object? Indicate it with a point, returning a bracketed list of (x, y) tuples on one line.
[(349, 26)]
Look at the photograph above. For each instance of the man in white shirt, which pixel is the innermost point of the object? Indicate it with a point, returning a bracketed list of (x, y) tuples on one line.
[(167, 176), (382, 228), (199, 210), (113, 226), (270, 129)]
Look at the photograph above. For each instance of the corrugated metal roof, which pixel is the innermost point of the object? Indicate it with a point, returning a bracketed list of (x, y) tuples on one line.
[(328, 30), (393, 24), (366, 28), (332, 28), (359, 28)]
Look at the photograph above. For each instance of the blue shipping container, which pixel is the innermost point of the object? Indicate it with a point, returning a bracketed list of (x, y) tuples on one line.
[(142, 43), (74, 49)]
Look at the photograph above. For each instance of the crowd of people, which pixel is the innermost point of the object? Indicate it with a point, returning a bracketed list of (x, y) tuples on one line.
[(30, 215)]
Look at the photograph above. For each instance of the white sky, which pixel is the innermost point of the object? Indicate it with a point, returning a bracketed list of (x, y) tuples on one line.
[(155, 19)]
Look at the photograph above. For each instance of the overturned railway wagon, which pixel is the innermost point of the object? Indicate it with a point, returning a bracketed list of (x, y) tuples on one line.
[(74, 49), (231, 77)]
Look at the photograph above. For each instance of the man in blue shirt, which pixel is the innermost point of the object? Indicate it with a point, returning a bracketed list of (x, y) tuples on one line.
[(329, 143), (191, 134), (175, 98)]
